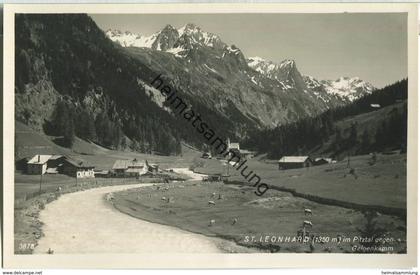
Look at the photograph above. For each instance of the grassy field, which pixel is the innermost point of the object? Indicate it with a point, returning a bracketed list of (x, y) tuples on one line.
[(383, 183), (277, 214)]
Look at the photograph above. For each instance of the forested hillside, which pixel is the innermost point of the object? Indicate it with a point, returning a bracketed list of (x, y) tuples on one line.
[(344, 130), (71, 80)]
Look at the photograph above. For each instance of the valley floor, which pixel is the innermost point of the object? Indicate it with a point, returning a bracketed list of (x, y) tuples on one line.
[(242, 221), (261, 222), (383, 183), (279, 214)]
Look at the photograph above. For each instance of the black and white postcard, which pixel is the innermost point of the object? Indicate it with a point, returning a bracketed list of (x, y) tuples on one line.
[(198, 135)]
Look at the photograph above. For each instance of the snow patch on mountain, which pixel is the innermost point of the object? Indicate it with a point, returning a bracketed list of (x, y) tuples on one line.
[(128, 39), (253, 80), (211, 69), (264, 67), (287, 64), (254, 61), (348, 88), (178, 51)]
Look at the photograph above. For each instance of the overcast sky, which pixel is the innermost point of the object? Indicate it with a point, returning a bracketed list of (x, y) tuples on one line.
[(326, 46)]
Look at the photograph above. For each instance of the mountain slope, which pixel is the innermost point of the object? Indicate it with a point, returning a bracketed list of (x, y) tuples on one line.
[(265, 92), (67, 61), (376, 122)]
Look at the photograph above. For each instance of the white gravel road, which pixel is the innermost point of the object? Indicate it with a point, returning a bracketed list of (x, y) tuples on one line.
[(188, 172), (83, 222)]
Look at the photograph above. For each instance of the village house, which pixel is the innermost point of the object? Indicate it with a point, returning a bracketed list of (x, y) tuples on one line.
[(78, 169), (242, 153), (152, 168), (206, 155), (54, 164), (246, 154), (101, 173), (37, 165), (44, 164), (321, 161), (233, 146), (293, 162), (129, 168)]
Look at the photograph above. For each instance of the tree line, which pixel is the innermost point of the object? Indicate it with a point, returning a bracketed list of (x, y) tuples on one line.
[(69, 121)]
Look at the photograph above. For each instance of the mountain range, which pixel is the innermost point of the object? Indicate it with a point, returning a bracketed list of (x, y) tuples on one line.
[(180, 42), (104, 80)]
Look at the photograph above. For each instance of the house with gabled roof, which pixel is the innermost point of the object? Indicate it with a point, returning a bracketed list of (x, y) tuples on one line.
[(53, 164), (321, 161), (37, 165), (129, 168), (235, 148), (294, 162), (77, 168)]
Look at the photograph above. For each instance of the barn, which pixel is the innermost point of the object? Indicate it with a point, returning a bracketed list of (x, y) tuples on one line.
[(206, 155), (129, 168), (246, 154), (54, 163), (321, 161), (235, 148), (78, 169), (37, 165), (152, 168), (293, 162)]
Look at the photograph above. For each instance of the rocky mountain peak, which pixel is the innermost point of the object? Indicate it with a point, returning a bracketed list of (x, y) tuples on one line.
[(288, 64), (168, 27), (112, 32), (285, 72), (189, 28), (166, 38)]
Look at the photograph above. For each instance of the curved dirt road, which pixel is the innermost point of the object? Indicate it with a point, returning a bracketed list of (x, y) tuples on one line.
[(83, 222), (188, 172)]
